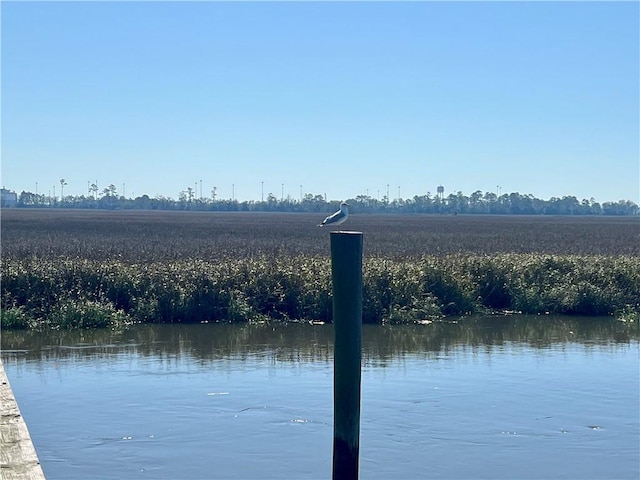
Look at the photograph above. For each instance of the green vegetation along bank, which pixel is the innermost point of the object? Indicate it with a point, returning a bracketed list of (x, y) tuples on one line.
[(72, 293)]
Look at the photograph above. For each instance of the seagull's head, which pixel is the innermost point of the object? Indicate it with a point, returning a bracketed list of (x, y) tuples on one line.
[(344, 205)]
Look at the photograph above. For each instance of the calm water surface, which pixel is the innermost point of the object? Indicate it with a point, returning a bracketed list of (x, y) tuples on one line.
[(495, 398)]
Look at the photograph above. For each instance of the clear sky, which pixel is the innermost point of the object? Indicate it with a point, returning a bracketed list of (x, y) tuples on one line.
[(341, 98)]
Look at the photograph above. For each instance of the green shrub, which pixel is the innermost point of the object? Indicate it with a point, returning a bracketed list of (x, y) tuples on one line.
[(419, 310), (491, 279), (85, 314), (447, 281), (14, 318), (629, 314)]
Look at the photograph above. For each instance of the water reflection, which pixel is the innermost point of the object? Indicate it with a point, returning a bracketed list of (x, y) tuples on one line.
[(292, 342), (236, 401)]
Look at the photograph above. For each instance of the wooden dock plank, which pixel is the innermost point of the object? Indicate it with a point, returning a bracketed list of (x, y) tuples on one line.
[(18, 458)]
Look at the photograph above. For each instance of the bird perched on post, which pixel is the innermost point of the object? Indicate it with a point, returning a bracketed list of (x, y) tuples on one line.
[(337, 218)]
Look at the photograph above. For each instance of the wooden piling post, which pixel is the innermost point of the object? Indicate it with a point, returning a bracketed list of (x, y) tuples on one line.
[(346, 274)]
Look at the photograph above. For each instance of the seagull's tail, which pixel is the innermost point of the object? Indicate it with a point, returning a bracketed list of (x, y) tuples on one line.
[(321, 224)]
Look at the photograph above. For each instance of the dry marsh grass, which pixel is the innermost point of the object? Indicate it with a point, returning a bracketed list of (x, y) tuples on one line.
[(162, 235)]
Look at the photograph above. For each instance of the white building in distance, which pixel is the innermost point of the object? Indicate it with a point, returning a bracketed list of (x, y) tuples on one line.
[(9, 198)]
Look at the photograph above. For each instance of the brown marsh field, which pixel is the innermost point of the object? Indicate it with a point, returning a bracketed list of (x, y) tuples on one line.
[(81, 268), (169, 235)]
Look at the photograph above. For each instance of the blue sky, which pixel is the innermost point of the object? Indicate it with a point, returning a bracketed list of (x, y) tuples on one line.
[(341, 98)]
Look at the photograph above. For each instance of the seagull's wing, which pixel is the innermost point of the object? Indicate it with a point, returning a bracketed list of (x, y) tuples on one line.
[(336, 218), (328, 220)]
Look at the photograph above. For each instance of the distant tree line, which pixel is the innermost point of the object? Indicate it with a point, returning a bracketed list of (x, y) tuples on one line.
[(458, 203)]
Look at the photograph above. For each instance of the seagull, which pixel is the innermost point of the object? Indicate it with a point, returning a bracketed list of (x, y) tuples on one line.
[(337, 218)]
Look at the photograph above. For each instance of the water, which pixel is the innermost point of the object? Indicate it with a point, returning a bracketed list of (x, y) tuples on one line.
[(512, 398)]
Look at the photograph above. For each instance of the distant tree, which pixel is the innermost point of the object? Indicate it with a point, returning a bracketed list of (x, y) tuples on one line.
[(594, 207), (109, 197), (490, 197), (27, 199), (363, 200), (143, 202), (621, 207), (421, 203), (475, 201), (62, 184)]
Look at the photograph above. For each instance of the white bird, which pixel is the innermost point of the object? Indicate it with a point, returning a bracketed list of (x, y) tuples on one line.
[(337, 218)]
